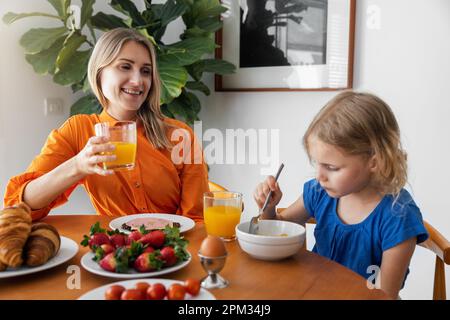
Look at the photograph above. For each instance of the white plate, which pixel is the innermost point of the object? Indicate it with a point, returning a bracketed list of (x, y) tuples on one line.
[(67, 251), (186, 223), (92, 266), (99, 293)]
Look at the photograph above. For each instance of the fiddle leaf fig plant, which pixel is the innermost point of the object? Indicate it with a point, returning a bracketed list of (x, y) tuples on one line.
[(63, 52)]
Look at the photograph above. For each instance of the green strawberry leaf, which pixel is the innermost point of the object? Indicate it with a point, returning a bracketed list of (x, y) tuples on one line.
[(95, 228), (155, 260), (181, 253), (135, 250), (173, 237), (99, 254), (121, 256), (85, 241), (113, 232), (143, 230)]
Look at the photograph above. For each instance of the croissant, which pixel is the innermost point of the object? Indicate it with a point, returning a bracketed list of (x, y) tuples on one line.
[(42, 245), (3, 266), (15, 226)]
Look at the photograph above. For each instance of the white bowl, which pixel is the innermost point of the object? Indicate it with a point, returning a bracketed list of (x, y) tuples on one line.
[(276, 239)]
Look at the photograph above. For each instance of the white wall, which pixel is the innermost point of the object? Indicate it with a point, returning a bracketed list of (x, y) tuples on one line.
[(406, 62)]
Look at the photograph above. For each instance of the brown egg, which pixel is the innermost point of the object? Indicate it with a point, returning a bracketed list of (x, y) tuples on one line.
[(212, 246)]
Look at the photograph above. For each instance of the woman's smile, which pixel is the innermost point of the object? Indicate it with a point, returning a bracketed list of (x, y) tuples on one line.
[(126, 81)]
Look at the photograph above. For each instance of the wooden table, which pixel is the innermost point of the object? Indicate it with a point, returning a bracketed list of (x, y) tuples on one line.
[(304, 276)]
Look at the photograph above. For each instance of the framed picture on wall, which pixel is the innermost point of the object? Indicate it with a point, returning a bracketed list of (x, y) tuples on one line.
[(287, 45)]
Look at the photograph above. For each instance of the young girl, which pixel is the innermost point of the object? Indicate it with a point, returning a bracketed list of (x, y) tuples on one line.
[(365, 219)]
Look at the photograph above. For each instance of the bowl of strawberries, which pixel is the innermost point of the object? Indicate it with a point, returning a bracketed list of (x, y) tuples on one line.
[(142, 253)]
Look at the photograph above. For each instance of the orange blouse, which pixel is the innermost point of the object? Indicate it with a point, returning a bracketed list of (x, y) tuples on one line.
[(156, 184)]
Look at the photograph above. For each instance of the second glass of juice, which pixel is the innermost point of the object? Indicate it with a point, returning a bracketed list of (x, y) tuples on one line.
[(123, 135), (222, 212)]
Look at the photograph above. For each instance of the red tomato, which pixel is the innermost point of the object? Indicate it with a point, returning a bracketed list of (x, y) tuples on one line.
[(192, 286), (132, 294), (176, 292), (156, 291), (114, 292), (142, 286)]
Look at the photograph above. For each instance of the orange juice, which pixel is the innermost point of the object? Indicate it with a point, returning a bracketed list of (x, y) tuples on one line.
[(221, 221), (126, 155)]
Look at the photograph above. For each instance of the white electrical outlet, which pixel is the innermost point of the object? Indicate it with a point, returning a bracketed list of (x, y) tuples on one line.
[(53, 106)]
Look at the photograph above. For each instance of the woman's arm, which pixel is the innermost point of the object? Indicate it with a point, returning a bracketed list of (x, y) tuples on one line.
[(42, 191), (395, 262)]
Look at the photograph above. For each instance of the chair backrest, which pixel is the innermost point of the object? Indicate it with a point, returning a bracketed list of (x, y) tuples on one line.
[(215, 187), (440, 246)]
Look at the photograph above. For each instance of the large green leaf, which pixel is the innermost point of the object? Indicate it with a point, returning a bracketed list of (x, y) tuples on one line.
[(186, 106), (86, 105), (173, 79), (72, 43), (166, 112), (37, 40), (210, 24), (200, 9), (198, 86), (86, 11), (221, 67), (74, 71), (11, 17), (60, 6), (187, 51), (128, 8), (107, 22), (207, 8), (218, 66), (177, 107), (170, 11), (44, 62)]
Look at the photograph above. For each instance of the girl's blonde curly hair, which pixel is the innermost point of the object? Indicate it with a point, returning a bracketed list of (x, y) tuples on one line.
[(363, 124)]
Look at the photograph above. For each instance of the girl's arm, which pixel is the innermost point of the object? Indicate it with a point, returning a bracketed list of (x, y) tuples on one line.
[(395, 262), (296, 212)]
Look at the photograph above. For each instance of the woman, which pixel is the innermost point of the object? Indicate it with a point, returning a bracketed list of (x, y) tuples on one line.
[(123, 74)]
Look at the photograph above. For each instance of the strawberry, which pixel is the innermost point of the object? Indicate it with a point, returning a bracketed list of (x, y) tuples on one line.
[(108, 263), (134, 236), (97, 239), (168, 256), (115, 261), (149, 249), (148, 262), (102, 251), (155, 239), (107, 248), (118, 240)]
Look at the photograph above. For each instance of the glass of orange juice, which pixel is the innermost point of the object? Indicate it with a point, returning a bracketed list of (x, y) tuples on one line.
[(222, 212), (123, 135)]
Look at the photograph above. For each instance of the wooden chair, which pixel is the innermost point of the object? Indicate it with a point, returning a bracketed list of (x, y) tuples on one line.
[(215, 187), (441, 248)]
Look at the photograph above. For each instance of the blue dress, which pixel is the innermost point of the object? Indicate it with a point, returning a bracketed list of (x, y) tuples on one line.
[(360, 246)]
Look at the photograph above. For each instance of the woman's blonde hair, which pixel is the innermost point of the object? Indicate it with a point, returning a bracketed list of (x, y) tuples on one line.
[(363, 124), (105, 52)]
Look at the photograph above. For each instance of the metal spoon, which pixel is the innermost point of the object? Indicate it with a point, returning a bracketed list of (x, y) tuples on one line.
[(253, 229)]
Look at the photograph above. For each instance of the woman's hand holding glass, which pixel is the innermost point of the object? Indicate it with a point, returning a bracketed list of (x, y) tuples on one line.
[(89, 160), (260, 195)]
